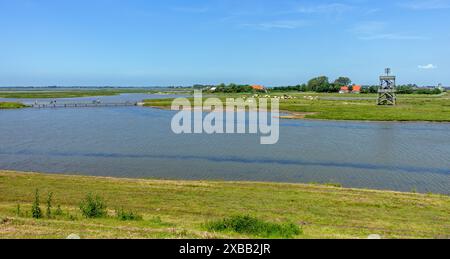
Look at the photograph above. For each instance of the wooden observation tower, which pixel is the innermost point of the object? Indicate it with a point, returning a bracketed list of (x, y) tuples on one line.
[(387, 92)]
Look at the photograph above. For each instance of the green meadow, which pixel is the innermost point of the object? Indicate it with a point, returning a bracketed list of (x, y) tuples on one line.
[(323, 106), (430, 108), (214, 209)]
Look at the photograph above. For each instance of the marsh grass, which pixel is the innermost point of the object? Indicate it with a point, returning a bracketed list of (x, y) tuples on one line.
[(172, 209), (11, 105), (434, 108), (18, 211), (127, 215), (255, 227), (71, 93), (59, 211)]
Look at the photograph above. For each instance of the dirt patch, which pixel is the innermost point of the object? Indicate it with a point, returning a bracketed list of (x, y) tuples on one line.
[(4, 221)]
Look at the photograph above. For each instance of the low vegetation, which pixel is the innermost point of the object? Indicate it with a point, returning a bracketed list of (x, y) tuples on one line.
[(254, 226), (127, 215), (434, 108), (93, 207), (36, 209), (207, 209), (11, 105), (70, 93)]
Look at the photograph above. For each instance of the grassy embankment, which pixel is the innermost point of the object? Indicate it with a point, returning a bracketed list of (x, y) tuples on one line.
[(354, 107), (69, 93), (180, 209), (11, 105)]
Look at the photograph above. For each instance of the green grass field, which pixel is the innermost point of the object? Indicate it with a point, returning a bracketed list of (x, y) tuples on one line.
[(11, 105), (354, 107), (305, 105), (183, 209)]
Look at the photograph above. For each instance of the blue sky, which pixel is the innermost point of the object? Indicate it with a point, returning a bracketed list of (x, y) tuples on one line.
[(182, 42)]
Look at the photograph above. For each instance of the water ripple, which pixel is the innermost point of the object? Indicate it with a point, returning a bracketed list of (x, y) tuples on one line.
[(222, 159)]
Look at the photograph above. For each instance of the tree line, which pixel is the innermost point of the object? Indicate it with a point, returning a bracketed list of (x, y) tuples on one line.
[(322, 84), (223, 88), (319, 84), (404, 89)]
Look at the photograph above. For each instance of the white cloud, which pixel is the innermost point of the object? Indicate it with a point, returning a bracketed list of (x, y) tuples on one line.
[(375, 30), (190, 9), (288, 24), (391, 36), (427, 4), (427, 67), (325, 8)]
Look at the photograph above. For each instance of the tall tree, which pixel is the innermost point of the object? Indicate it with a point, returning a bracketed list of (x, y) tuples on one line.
[(343, 81), (319, 84)]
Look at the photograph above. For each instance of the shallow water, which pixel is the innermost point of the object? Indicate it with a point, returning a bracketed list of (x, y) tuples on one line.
[(122, 98), (138, 142)]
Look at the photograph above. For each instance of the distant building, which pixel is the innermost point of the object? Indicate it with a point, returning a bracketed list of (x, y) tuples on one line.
[(344, 90), (355, 89), (259, 88)]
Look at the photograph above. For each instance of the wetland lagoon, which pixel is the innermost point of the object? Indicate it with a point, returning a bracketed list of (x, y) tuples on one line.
[(137, 142)]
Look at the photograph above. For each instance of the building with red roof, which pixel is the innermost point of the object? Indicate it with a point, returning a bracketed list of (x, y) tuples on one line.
[(356, 89), (258, 88)]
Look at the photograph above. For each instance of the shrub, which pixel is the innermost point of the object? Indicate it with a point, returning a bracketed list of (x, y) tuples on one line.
[(18, 211), (127, 215), (59, 211), (157, 221), (93, 207), (49, 204), (253, 226), (35, 209), (72, 217)]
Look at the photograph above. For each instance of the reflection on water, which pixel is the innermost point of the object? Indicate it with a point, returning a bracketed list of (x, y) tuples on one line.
[(122, 98), (138, 142)]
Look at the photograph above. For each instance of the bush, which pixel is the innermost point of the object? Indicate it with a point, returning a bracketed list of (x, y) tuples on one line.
[(35, 209), (428, 91), (72, 217), (93, 207), (18, 211), (253, 226), (127, 215), (59, 211), (49, 205)]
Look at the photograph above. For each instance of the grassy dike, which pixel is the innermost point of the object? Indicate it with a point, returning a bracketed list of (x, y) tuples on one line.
[(180, 209), (43, 94), (11, 105), (352, 107)]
